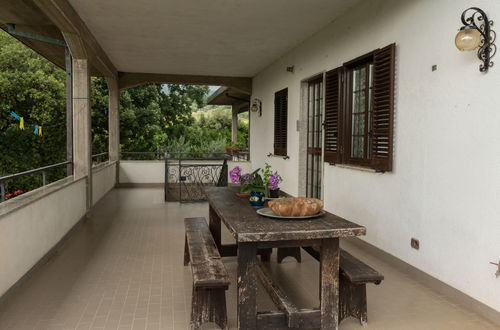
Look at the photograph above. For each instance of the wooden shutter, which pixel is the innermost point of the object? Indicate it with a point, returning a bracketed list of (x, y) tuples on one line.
[(333, 116), (280, 122), (383, 108)]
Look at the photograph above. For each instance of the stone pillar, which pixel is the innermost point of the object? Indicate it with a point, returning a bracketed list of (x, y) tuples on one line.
[(82, 136), (114, 119), (234, 125)]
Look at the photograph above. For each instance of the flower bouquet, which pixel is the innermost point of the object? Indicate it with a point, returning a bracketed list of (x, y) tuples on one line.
[(252, 185), (238, 177), (271, 181)]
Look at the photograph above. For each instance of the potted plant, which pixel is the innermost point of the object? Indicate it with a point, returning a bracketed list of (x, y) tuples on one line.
[(271, 181), (238, 177), (255, 185)]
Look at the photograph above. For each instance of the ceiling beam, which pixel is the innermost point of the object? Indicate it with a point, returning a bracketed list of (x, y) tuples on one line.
[(81, 42), (128, 80)]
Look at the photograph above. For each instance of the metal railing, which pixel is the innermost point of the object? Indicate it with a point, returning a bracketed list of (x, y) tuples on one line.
[(42, 170), (143, 155), (100, 158), (161, 155), (197, 156), (186, 175), (240, 156)]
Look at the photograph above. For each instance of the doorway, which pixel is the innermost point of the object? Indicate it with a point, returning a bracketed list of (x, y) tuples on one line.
[(314, 167)]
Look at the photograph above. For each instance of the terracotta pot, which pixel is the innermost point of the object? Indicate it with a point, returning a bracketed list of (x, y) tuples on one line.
[(243, 195)]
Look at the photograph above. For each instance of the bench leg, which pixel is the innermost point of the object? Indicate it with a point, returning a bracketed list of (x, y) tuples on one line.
[(265, 254), (289, 252), (352, 301), (187, 258), (208, 305)]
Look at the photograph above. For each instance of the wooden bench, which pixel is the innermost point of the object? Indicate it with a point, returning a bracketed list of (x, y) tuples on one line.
[(354, 275), (210, 278)]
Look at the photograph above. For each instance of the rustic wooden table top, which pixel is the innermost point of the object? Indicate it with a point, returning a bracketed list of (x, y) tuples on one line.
[(247, 226)]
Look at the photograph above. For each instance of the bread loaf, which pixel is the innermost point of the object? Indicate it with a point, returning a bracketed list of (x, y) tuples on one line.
[(296, 206)]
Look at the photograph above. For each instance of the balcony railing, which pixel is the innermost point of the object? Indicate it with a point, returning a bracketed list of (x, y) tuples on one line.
[(43, 175), (143, 155), (161, 155), (100, 158)]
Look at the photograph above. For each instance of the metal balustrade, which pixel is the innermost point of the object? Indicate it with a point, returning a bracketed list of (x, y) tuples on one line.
[(42, 170)]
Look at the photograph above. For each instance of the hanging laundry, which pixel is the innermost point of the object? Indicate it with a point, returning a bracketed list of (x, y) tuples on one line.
[(15, 115), (39, 130), (21, 123), (36, 130)]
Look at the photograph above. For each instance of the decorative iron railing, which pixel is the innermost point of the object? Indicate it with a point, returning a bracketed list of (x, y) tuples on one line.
[(186, 175)]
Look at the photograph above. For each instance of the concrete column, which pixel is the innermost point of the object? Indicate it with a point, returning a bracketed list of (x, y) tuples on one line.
[(234, 125), (82, 140), (114, 119)]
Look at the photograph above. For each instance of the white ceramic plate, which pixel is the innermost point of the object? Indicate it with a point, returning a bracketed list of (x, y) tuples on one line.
[(267, 212)]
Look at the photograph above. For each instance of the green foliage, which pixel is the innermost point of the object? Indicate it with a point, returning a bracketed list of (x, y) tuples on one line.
[(34, 89), (256, 184), (152, 117)]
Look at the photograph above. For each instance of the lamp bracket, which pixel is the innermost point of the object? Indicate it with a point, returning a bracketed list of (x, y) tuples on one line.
[(476, 18)]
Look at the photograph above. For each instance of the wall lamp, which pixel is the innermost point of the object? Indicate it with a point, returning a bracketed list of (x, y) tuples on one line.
[(257, 106), (476, 33)]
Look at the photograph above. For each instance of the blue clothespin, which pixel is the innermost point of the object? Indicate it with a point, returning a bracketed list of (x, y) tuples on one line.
[(15, 115)]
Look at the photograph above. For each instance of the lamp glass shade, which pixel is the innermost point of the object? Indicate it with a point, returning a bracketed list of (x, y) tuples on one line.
[(468, 39), (254, 107)]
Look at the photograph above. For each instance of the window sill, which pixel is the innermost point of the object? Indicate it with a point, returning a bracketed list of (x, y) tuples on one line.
[(356, 167), (280, 156)]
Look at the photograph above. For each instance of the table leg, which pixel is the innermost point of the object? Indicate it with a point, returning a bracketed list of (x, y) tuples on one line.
[(265, 254), (247, 286), (215, 227), (329, 283)]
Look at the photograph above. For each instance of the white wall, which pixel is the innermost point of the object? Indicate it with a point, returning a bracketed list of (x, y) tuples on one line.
[(29, 232), (103, 180), (151, 171), (445, 187)]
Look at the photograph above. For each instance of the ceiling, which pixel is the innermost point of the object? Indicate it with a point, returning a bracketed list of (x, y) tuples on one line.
[(229, 96), (192, 37)]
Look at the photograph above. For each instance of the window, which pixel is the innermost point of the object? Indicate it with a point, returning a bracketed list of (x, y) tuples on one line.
[(359, 106), (280, 121)]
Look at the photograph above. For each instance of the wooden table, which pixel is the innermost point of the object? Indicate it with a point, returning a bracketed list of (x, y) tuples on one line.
[(252, 232)]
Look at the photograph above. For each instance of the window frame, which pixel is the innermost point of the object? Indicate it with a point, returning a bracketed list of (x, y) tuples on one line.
[(280, 147), (338, 113), (364, 60)]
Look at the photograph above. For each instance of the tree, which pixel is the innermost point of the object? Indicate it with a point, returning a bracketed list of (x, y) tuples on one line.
[(33, 88), (152, 117)]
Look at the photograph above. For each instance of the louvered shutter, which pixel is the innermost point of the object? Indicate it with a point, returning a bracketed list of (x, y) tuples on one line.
[(280, 122), (333, 116), (383, 108)]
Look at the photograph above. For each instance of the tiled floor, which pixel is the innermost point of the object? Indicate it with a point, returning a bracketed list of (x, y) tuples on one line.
[(123, 270)]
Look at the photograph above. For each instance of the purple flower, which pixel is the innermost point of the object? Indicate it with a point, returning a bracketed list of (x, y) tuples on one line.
[(246, 178), (274, 180), (235, 175)]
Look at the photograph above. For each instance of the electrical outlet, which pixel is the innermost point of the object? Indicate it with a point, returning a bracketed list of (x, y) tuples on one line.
[(415, 243)]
